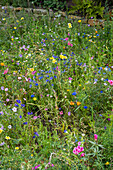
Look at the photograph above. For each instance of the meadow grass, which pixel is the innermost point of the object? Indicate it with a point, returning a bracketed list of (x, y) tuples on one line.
[(56, 87)]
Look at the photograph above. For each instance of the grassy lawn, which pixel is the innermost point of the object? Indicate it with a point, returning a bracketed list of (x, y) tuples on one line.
[(56, 93)]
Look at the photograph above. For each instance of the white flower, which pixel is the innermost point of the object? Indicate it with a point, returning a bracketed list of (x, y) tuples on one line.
[(9, 126), (14, 109)]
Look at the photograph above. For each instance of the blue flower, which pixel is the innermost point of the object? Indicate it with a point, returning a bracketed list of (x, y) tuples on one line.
[(85, 107), (33, 136), (25, 123), (23, 105), (18, 101), (76, 140), (74, 93), (32, 95), (101, 91), (36, 133), (16, 105), (20, 116), (36, 84)]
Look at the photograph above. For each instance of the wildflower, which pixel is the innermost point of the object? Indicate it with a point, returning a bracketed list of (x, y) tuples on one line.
[(14, 28), (5, 71), (95, 137), (9, 126), (2, 87), (107, 163), (71, 103), (25, 123), (22, 18), (83, 154), (14, 109), (69, 113), (36, 133), (61, 113), (37, 166), (16, 148), (74, 93), (68, 90), (1, 131), (85, 107), (2, 64), (66, 39), (3, 19), (78, 103), (31, 154), (7, 137), (111, 82), (79, 21), (34, 98), (31, 69), (1, 144), (69, 25), (54, 61)]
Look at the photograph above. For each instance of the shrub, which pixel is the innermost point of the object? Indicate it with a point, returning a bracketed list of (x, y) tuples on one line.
[(87, 8)]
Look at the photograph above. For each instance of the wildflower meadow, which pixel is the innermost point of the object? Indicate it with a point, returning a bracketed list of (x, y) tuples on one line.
[(56, 93)]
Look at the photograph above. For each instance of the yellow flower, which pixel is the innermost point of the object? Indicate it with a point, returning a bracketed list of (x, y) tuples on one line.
[(79, 21), (17, 20), (3, 19), (71, 103), (52, 58), (79, 84), (22, 18), (31, 69), (94, 36), (78, 103), (7, 137), (63, 57), (15, 28), (54, 61), (16, 148), (34, 98), (1, 130), (12, 39), (69, 25), (31, 154), (68, 90), (2, 64), (107, 163)]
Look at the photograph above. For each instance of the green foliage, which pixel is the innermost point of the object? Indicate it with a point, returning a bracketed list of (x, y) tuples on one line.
[(53, 4), (87, 8)]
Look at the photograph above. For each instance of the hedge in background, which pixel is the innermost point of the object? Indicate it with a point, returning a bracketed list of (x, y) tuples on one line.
[(53, 4)]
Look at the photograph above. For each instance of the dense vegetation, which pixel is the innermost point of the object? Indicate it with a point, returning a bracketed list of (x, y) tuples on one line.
[(56, 93)]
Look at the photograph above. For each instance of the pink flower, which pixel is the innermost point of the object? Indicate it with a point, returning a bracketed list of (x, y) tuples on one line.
[(79, 143), (33, 72), (81, 149), (66, 39), (95, 137), (82, 154), (35, 117), (37, 166), (70, 78), (111, 82), (69, 43), (5, 71), (61, 113)]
